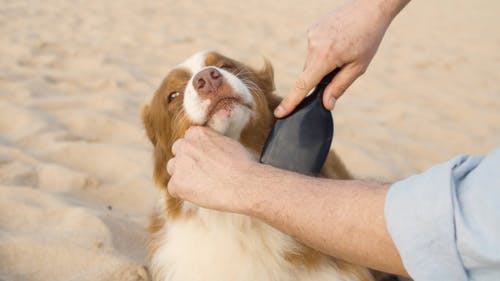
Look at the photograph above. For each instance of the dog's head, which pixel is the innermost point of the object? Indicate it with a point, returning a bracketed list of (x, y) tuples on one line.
[(209, 89)]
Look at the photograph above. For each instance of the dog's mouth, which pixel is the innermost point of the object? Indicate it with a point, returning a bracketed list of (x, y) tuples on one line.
[(225, 103)]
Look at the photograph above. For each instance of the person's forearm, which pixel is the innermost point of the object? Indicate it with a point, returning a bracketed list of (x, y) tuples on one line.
[(344, 219), (389, 8)]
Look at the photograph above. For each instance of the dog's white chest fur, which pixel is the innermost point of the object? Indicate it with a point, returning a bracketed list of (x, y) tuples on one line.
[(220, 246)]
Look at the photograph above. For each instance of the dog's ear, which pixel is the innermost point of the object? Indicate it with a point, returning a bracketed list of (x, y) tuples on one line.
[(266, 82), (266, 77), (161, 157), (148, 123)]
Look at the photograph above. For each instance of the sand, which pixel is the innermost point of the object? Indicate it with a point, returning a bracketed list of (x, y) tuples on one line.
[(75, 165)]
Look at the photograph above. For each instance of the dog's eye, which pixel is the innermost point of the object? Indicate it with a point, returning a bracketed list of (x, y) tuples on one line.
[(227, 67), (172, 96)]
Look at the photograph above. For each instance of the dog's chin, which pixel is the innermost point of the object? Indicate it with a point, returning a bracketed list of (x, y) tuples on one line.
[(230, 119)]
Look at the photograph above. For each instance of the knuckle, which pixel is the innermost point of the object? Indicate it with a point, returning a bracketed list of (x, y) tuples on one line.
[(333, 46), (170, 166), (362, 70), (314, 44), (341, 88), (176, 146), (203, 131), (189, 133), (172, 187), (199, 132), (324, 51), (313, 31), (187, 145), (301, 85), (194, 131), (178, 142)]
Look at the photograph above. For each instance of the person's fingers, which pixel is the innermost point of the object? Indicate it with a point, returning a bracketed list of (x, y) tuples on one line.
[(171, 166), (177, 146), (198, 132), (193, 132), (201, 140), (207, 131), (308, 79), (344, 78), (309, 58), (172, 187)]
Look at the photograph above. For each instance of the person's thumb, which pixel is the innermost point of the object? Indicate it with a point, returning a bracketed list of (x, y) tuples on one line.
[(309, 78), (344, 78)]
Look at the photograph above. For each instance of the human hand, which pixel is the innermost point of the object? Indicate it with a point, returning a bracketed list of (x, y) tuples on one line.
[(346, 38), (209, 170)]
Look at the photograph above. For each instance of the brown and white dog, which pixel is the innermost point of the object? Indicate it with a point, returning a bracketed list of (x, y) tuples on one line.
[(190, 243)]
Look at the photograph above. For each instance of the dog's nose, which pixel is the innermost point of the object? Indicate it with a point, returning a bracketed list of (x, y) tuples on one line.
[(207, 81)]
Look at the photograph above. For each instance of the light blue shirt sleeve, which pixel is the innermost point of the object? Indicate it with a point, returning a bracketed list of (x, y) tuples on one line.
[(445, 222)]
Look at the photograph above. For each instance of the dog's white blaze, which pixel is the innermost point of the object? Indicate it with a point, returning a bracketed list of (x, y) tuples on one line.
[(193, 105), (195, 108), (195, 62)]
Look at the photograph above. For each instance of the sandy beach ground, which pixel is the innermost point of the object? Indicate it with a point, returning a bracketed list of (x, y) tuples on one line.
[(75, 165)]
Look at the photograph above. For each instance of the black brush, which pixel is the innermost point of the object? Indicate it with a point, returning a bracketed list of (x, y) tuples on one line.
[(300, 141)]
